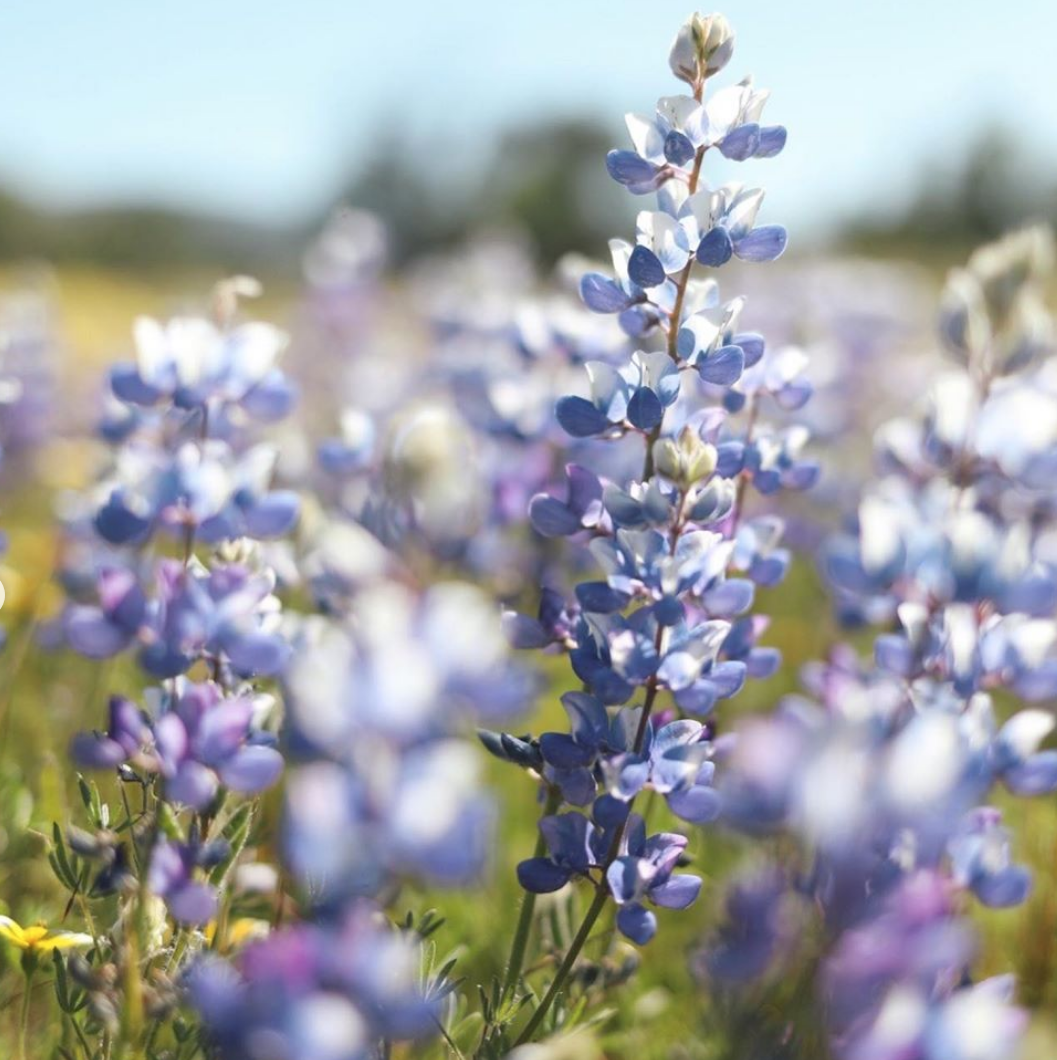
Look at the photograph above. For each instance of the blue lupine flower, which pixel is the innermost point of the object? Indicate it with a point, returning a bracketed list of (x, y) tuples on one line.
[(102, 631), (708, 341), (646, 873), (1015, 756), (665, 616), (675, 763), (190, 362), (981, 861), (198, 741), (395, 812), (351, 452), (205, 740), (329, 992), (582, 511), (171, 876), (722, 223), (554, 623), (779, 373), (127, 738), (571, 757), (575, 845), (773, 461), (633, 396), (667, 143), (760, 924)]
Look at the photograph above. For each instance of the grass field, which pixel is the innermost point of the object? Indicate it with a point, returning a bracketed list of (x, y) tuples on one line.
[(661, 1012)]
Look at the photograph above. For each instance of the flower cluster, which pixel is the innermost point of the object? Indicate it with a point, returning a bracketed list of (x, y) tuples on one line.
[(662, 627), (886, 780), (189, 470)]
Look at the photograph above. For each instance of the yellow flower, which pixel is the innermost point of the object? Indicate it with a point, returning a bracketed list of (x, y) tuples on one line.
[(241, 931), (39, 939)]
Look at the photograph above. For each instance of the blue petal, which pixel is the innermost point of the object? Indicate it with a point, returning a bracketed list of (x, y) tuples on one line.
[(580, 418), (894, 653), (541, 875), (192, 785), (730, 597), (263, 654), (1037, 775), (770, 570), (194, 903), (730, 459), (727, 678), (119, 526), (741, 143), (634, 172), (724, 367), (563, 752), (252, 769), (96, 751), (762, 663), (624, 879), (699, 698), (678, 148), (677, 892), (637, 923), (715, 247), (623, 509), (338, 459), (999, 890), (698, 804), (598, 598), (524, 632), (602, 294), (762, 244), (801, 476), (645, 410), (630, 778), (89, 632), (588, 718), (772, 141), (271, 399), (162, 660), (551, 518), (752, 345), (273, 515), (636, 320), (129, 386), (610, 812), (645, 268)]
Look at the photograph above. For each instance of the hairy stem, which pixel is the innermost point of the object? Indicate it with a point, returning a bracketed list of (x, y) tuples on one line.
[(566, 966), (528, 908)]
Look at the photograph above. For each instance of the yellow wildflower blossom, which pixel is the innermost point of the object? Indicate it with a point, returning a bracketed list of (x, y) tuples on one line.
[(40, 939)]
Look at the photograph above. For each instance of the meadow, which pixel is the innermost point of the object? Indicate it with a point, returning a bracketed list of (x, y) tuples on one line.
[(359, 628)]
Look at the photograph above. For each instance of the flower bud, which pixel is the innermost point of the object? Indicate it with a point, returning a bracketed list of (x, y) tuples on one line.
[(702, 47), (698, 457), (666, 459), (686, 460)]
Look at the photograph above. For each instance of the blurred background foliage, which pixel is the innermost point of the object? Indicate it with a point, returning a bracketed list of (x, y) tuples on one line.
[(545, 181)]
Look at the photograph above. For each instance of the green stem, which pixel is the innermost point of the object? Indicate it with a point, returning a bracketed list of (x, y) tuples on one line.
[(566, 966), (528, 908), (23, 1022)]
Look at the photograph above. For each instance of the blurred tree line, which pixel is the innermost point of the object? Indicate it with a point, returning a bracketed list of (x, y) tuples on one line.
[(544, 180), (134, 237), (992, 187)]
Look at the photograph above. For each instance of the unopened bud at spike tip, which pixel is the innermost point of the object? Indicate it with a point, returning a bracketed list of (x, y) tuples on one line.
[(702, 47)]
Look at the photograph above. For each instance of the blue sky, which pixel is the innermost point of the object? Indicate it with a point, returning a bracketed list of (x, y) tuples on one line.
[(261, 109)]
